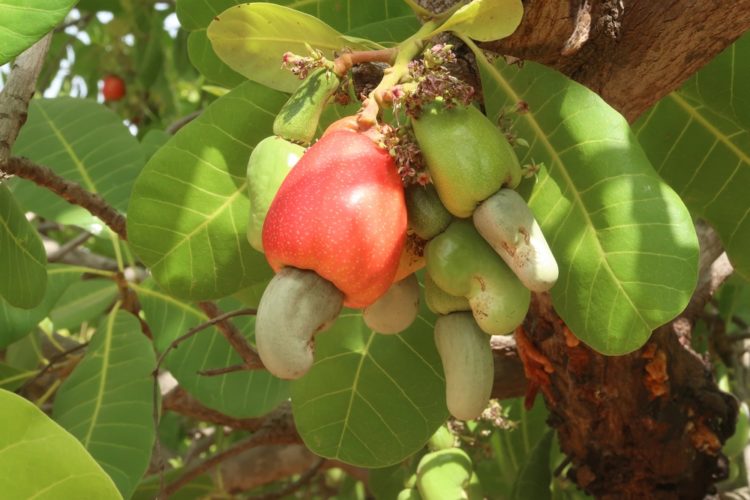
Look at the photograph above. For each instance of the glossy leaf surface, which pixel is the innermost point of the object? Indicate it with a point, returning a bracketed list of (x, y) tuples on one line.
[(189, 211), (371, 400), (40, 459), (239, 394), (23, 22), (23, 261), (107, 401), (623, 239), (83, 142)]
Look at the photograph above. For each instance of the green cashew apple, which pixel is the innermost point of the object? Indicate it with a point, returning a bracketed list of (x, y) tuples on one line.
[(442, 439), (508, 224), (298, 119), (444, 474), (409, 494), (467, 363), (441, 302), (467, 155), (270, 162), (394, 311), (462, 264), (427, 215)]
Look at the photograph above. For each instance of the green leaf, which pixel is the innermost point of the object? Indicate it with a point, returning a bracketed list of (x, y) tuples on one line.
[(83, 301), (252, 39), (240, 394), (39, 459), (107, 401), (25, 354), (189, 210), (83, 142), (534, 476), (206, 61), (15, 322), (371, 400), (705, 157), (199, 488), (623, 239), (152, 141), (485, 20), (387, 32), (23, 262), (23, 22), (723, 85)]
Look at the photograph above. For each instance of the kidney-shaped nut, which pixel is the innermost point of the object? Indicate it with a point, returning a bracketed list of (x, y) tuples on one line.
[(467, 363), (394, 311), (509, 226), (295, 306)]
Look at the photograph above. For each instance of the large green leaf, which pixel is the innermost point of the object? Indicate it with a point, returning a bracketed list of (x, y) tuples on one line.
[(534, 476), (623, 239), (239, 394), (11, 378), (189, 209), (705, 157), (723, 85), (107, 401), (83, 142), (23, 22), (699, 141), (252, 39), (39, 459), (83, 301), (195, 15), (23, 262), (205, 60), (16, 322), (389, 31), (371, 400)]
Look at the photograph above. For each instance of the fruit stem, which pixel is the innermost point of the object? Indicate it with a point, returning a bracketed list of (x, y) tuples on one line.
[(407, 50), (343, 63)]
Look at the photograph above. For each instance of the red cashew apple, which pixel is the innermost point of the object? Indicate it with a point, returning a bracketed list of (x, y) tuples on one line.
[(340, 216), (113, 88)]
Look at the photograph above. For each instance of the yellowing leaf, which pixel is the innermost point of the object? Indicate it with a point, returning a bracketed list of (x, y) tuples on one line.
[(485, 20)]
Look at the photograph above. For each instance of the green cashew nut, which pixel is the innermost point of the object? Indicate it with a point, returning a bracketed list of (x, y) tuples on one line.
[(467, 363), (508, 224), (270, 162), (298, 119), (444, 474), (295, 306), (427, 215), (441, 302), (463, 264), (394, 311), (468, 157)]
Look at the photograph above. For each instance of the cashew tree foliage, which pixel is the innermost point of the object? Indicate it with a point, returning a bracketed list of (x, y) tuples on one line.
[(374, 249)]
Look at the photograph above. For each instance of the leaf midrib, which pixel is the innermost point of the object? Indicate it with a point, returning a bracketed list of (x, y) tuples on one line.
[(551, 151)]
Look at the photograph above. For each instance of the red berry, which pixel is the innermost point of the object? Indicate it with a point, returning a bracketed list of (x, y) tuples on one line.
[(114, 88)]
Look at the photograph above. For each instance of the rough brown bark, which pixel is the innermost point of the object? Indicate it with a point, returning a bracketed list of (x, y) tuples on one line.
[(630, 52)]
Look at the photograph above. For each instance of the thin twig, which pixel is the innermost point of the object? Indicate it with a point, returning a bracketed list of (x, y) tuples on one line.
[(69, 246), (296, 485), (214, 372), (79, 23), (179, 401), (67, 190), (211, 322), (52, 362), (233, 336), (181, 122)]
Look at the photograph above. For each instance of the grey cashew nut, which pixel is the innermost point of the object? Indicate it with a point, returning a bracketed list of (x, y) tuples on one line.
[(467, 363), (295, 306), (396, 309), (508, 224)]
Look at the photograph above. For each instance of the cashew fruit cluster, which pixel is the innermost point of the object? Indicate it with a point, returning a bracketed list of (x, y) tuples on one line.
[(338, 226), (485, 250)]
